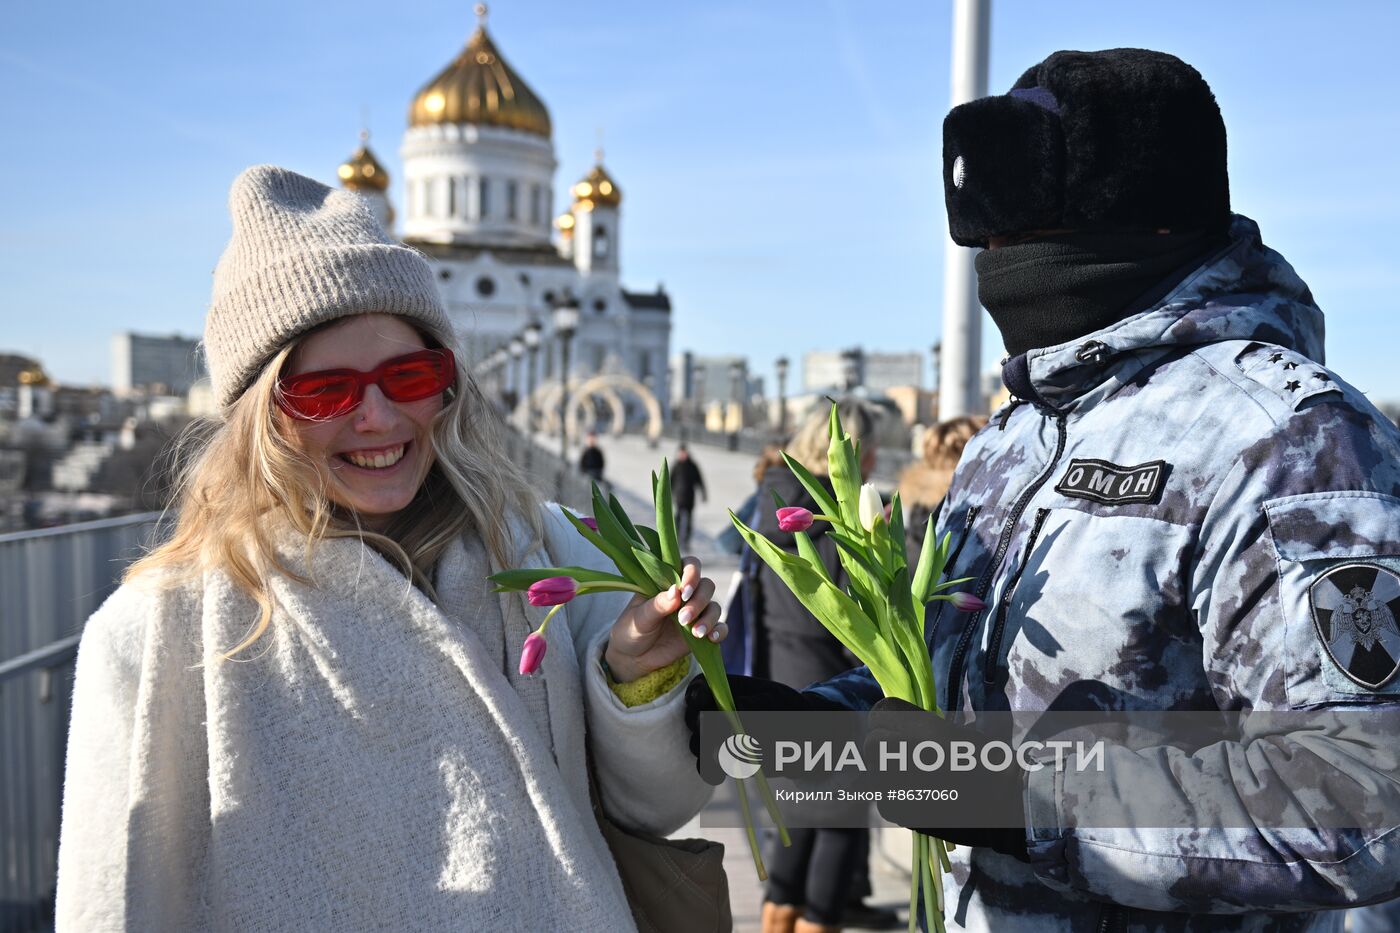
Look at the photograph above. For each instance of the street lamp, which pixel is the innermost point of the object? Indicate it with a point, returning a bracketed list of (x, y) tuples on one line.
[(736, 391), (492, 366), (531, 336), (850, 368), (565, 322), (781, 365), (698, 375), (517, 350)]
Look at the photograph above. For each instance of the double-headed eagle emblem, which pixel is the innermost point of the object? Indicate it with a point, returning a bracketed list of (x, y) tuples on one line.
[(1362, 618)]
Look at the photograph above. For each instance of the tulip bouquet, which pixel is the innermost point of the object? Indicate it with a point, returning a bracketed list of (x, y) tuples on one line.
[(648, 562), (879, 616)]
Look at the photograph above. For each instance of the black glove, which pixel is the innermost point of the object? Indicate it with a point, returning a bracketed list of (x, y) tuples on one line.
[(893, 720), (750, 693)]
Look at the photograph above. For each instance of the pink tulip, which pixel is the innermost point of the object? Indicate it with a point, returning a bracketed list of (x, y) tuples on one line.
[(551, 591), (590, 521), (794, 518), (966, 602), (532, 655)]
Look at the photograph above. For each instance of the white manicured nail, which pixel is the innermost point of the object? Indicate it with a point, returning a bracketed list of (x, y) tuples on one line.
[(688, 592), (685, 615), (698, 631), (714, 636)]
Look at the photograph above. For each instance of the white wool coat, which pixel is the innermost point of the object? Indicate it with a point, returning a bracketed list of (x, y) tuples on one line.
[(373, 762)]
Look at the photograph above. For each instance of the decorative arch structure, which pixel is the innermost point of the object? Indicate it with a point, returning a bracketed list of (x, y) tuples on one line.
[(611, 386), (607, 388)]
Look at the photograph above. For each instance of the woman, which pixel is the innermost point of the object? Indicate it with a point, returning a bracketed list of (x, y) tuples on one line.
[(304, 710), (813, 883)]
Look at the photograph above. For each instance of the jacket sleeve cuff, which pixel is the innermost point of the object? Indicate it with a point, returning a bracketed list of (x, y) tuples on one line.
[(646, 774), (1045, 836)]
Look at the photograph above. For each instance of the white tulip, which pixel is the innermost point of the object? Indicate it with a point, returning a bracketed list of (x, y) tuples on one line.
[(869, 508)]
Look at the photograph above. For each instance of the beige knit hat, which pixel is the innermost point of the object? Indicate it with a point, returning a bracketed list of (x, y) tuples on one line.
[(302, 254)]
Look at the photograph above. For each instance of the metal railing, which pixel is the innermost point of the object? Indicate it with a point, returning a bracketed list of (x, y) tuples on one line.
[(50, 582), (553, 478)]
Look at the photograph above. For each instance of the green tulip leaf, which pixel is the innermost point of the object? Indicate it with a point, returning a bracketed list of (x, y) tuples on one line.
[(514, 581), (670, 550)]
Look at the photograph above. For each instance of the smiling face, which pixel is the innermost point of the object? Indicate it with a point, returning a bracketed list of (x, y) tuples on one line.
[(379, 454)]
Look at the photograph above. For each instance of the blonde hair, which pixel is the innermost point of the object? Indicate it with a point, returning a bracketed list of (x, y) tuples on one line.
[(926, 483), (771, 457), (944, 442), (813, 438), (248, 474)]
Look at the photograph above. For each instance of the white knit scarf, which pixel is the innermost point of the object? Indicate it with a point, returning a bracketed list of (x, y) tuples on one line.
[(374, 763)]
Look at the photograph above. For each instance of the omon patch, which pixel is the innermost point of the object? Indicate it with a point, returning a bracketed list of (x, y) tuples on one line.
[(1101, 481)]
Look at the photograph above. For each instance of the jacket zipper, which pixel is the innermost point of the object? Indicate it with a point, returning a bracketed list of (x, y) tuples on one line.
[(953, 562), (994, 646), (966, 531), (1113, 919), (955, 668)]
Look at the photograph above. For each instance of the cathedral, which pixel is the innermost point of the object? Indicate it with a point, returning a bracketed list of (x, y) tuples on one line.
[(478, 168)]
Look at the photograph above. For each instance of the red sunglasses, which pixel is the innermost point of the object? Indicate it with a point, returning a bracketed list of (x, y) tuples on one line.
[(330, 393)]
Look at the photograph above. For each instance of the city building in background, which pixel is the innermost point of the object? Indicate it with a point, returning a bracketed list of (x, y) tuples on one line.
[(826, 369), (155, 365), (718, 391), (479, 175), (71, 453)]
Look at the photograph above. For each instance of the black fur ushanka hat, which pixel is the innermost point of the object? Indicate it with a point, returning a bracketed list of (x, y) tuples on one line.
[(1124, 138)]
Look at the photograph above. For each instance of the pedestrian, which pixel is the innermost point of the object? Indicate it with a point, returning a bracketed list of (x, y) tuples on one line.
[(307, 709), (738, 647), (686, 481), (1180, 509), (816, 885), (591, 460)]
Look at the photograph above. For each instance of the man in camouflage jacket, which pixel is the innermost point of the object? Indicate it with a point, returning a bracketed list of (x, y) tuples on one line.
[(1274, 478), (1181, 508)]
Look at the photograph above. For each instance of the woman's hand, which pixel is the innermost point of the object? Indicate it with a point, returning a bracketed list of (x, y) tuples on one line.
[(644, 639)]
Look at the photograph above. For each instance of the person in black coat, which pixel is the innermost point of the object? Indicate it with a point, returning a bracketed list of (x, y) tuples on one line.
[(818, 882), (590, 462), (686, 481)]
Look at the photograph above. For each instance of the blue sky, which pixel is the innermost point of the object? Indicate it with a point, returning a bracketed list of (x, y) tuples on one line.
[(779, 160)]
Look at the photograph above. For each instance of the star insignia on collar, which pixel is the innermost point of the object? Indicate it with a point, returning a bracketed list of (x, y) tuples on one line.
[(1322, 377), (1293, 385), (1290, 365), (1276, 357)]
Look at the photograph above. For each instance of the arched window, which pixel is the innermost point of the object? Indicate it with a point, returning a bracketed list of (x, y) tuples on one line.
[(600, 242), (451, 197), (483, 198), (512, 196)]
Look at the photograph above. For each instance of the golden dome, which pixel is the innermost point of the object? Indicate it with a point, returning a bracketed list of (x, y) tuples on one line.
[(34, 376), (564, 223), (597, 187), (362, 171), (479, 87)]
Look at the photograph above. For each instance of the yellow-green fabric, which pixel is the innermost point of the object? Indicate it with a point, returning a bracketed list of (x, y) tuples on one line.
[(650, 686)]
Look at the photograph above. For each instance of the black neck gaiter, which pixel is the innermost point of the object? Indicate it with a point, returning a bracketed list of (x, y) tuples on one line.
[(1050, 291)]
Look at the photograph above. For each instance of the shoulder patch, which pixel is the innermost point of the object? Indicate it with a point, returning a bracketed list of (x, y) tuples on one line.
[(1291, 376), (1354, 607)]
